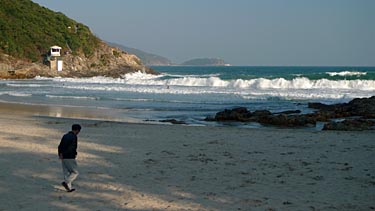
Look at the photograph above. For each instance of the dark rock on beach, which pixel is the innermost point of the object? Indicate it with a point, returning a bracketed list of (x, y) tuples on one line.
[(285, 120), (360, 110), (289, 112), (173, 121), (357, 107), (240, 114)]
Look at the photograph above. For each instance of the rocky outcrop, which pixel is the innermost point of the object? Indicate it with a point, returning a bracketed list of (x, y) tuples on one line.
[(265, 117), (106, 61), (358, 107), (360, 114), (173, 121), (240, 114)]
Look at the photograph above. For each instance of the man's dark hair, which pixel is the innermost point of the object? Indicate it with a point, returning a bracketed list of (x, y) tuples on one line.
[(76, 127)]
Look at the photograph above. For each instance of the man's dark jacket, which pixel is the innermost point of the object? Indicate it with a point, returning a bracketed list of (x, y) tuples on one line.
[(68, 146)]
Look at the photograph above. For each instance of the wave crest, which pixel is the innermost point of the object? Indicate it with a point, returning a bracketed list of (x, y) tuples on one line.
[(73, 97), (16, 94), (346, 73), (148, 80), (278, 83)]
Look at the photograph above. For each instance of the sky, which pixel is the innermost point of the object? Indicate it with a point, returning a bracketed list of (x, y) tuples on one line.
[(242, 32)]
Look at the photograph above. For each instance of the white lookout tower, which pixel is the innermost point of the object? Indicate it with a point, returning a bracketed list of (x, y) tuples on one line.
[(55, 59), (55, 50)]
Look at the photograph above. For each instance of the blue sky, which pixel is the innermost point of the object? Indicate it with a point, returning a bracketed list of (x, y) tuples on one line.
[(242, 32)]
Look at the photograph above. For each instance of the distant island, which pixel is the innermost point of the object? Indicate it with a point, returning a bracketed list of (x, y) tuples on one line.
[(205, 62)]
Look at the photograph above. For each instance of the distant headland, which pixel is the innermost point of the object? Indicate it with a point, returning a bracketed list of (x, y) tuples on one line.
[(150, 59), (205, 62)]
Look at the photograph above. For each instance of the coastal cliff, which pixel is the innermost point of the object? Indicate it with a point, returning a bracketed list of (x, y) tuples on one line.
[(29, 30)]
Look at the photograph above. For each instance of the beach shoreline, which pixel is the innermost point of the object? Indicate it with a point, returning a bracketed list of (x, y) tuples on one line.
[(68, 111), (121, 116), (131, 166)]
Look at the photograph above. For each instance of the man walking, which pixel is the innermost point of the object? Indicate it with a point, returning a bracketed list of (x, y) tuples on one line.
[(67, 153)]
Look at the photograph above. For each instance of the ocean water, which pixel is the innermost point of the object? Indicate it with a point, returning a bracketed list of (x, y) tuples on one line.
[(191, 94)]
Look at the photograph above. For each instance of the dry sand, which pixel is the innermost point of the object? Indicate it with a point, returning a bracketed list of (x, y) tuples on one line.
[(166, 167)]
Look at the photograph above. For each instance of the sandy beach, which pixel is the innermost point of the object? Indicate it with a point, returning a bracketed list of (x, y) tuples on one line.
[(130, 166)]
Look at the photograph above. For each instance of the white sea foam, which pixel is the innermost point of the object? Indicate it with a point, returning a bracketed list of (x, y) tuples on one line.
[(303, 95), (262, 83), (40, 78), (305, 83), (193, 81), (346, 73), (203, 76), (26, 85), (134, 100), (16, 94), (130, 78), (140, 76), (73, 97)]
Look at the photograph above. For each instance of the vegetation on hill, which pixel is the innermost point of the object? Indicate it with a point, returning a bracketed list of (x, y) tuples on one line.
[(28, 30)]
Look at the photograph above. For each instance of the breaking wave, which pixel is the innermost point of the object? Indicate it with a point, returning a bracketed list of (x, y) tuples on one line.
[(26, 85), (145, 80), (346, 73), (16, 94), (73, 97)]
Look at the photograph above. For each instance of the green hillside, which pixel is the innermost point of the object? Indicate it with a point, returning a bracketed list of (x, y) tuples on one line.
[(27, 30)]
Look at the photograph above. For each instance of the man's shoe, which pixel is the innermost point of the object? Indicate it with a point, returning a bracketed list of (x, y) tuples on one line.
[(71, 190), (66, 186)]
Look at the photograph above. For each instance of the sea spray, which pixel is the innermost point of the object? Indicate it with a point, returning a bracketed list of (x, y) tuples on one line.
[(259, 83)]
